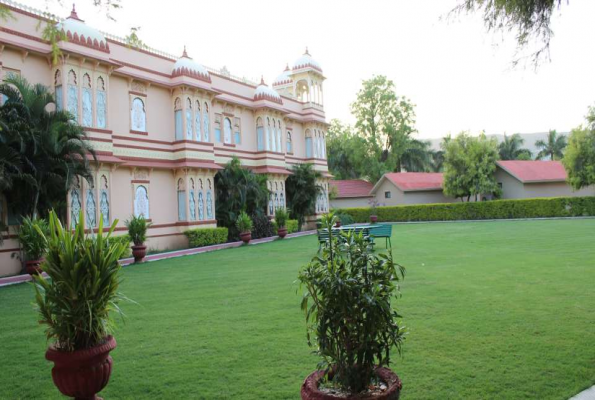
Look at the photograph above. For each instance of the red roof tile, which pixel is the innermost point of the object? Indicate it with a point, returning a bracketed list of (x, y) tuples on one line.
[(416, 181), (352, 188), (535, 171)]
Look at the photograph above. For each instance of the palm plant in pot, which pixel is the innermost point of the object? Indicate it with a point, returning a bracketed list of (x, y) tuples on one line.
[(351, 321), (373, 206), (137, 230), (281, 217), (244, 225), (75, 302), (32, 240)]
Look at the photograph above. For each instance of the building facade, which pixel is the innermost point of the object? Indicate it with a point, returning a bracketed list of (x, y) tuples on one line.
[(163, 126)]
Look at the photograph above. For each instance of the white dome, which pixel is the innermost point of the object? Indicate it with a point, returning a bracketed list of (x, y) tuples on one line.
[(188, 67), (263, 92), (78, 32), (284, 78), (306, 61)]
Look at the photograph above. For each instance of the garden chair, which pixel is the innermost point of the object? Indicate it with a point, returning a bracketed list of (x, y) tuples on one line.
[(323, 238), (382, 231)]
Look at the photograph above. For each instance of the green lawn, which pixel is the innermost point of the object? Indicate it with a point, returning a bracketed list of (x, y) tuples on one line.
[(494, 310)]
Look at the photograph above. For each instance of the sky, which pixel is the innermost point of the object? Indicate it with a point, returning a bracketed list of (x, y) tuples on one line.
[(459, 76)]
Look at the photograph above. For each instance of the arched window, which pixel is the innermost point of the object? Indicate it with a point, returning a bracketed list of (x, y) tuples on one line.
[(73, 95), (90, 208), (288, 140), (323, 144), (192, 201), (178, 119), (101, 107), (201, 203), (189, 132), (279, 140), (197, 122), (87, 101), (259, 135), (104, 200), (181, 200), (227, 130), (209, 202), (268, 127), (271, 210), (315, 143), (276, 200), (138, 115), (58, 90), (237, 132), (206, 121), (141, 202), (75, 203), (308, 144), (218, 128), (282, 200)]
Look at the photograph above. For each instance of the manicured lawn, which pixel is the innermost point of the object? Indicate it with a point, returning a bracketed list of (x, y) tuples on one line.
[(494, 309)]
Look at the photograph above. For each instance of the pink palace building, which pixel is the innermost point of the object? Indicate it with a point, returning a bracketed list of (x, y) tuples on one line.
[(163, 126)]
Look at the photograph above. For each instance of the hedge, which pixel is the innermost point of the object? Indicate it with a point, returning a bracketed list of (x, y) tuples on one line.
[(206, 236), (125, 239), (291, 225), (495, 209)]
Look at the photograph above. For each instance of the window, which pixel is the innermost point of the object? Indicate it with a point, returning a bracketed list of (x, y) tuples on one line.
[(237, 136), (189, 131), (500, 185), (73, 95), (218, 128), (58, 90), (227, 130), (87, 101), (141, 202), (181, 200), (279, 148), (90, 208), (209, 201), (104, 200), (197, 121), (308, 144), (282, 200), (206, 121), (178, 119), (387, 195), (100, 98), (323, 145), (259, 135), (201, 202), (75, 203), (271, 210), (268, 127), (192, 201), (138, 115), (288, 140)]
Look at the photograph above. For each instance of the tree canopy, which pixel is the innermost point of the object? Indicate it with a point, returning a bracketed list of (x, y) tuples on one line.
[(579, 159), (302, 190), (553, 147), (510, 148)]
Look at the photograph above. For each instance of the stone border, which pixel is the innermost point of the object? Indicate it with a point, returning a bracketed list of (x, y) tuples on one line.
[(13, 280), (587, 394)]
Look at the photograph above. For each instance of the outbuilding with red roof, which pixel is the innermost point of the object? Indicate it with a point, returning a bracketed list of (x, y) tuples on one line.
[(398, 188), (350, 193)]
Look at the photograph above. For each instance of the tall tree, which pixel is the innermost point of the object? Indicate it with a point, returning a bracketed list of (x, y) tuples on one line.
[(52, 146), (553, 148), (579, 159), (302, 191), (469, 166), (510, 148), (347, 152)]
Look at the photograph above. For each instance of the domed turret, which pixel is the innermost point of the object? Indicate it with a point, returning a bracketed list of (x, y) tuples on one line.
[(186, 66), (306, 61), (78, 32), (263, 92), (284, 78)]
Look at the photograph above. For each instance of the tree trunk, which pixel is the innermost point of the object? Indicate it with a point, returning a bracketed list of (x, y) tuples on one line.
[(35, 201)]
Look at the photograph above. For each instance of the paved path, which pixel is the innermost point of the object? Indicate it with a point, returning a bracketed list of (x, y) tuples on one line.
[(588, 394)]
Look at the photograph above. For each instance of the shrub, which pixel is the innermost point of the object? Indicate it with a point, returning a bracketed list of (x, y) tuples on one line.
[(262, 228), (31, 236), (349, 291), (76, 299), (125, 240), (345, 218), (206, 236), (137, 229), (291, 226), (244, 222), (281, 217), (496, 209)]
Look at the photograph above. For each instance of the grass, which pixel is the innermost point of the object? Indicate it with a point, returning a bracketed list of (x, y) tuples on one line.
[(495, 310)]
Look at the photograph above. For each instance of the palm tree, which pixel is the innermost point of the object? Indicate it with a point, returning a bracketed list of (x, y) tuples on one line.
[(302, 191), (416, 156), (553, 148), (52, 146), (510, 148)]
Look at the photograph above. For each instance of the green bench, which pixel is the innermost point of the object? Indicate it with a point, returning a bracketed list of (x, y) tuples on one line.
[(382, 231)]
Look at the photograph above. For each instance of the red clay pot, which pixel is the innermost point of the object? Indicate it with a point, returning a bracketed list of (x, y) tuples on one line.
[(310, 388), (282, 232), (338, 223), (33, 267), (246, 237), (373, 218), (139, 253), (82, 373)]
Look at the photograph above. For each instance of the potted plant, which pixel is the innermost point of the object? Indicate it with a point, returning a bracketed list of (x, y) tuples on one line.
[(373, 206), (351, 321), (31, 237), (137, 230), (75, 303), (281, 217), (244, 225)]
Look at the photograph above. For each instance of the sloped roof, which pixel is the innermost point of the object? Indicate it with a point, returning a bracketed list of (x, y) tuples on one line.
[(535, 171), (413, 181), (352, 188)]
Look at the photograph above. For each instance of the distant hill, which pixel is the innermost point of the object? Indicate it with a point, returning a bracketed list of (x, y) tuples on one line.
[(529, 140)]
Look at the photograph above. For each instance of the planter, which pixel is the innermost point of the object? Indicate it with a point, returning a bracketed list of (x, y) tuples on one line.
[(338, 223), (33, 267), (246, 237), (282, 232), (373, 218), (82, 373), (139, 253), (310, 389)]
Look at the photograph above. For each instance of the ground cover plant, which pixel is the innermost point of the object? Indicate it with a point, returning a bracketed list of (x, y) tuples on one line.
[(494, 310)]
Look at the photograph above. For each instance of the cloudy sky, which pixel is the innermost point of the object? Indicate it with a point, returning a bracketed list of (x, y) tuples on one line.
[(459, 76)]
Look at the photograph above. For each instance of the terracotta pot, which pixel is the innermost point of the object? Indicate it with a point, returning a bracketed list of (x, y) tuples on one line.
[(246, 237), (310, 389), (139, 253), (373, 218), (282, 232), (33, 267), (338, 223), (82, 373)]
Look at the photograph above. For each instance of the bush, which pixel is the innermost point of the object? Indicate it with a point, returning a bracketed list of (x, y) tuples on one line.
[(125, 240), (31, 237), (262, 228), (281, 217), (244, 222), (291, 225), (137, 229), (496, 209), (345, 218), (206, 236)]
